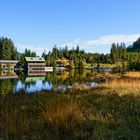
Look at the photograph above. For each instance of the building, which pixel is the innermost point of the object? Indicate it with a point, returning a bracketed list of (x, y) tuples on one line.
[(6, 64), (35, 65)]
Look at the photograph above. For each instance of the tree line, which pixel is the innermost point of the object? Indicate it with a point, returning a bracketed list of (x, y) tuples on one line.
[(8, 51), (118, 52), (27, 53), (77, 57)]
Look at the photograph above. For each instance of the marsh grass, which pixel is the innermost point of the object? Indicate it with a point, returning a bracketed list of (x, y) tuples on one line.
[(123, 86), (132, 75), (14, 122), (62, 113), (109, 111), (82, 86)]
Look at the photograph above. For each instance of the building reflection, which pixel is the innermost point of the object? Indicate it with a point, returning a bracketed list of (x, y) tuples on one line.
[(36, 73), (8, 74)]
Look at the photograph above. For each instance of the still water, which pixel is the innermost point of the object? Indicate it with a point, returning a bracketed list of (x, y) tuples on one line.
[(15, 82)]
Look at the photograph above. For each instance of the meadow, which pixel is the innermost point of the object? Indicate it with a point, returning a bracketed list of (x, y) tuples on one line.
[(109, 111)]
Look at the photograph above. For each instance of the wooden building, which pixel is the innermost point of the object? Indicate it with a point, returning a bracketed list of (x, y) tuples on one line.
[(35, 64), (6, 64)]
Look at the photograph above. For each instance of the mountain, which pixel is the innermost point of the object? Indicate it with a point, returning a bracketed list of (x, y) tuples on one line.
[(135, 47)]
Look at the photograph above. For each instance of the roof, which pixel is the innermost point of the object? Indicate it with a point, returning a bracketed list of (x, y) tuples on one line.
[(34, 59)]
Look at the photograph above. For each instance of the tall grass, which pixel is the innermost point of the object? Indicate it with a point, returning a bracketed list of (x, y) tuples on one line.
[(132, 75), (14, 122), (62, 113), (124, 86)]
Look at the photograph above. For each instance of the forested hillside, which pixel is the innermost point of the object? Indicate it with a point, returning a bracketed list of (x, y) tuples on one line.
[(135, 47)]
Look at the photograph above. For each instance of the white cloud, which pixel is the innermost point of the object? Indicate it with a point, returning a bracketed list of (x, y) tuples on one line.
[(103, 40), (101, 44), (109, 39)]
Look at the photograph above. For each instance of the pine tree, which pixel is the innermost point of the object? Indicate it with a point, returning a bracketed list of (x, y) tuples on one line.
[(113, 53), (7, 49)]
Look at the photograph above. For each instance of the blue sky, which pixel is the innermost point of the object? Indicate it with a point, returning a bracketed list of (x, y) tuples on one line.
[(93, 24)]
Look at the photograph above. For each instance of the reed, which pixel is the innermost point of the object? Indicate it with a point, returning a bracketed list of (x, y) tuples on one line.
[(132, 75), (124, 86), (61, 113)]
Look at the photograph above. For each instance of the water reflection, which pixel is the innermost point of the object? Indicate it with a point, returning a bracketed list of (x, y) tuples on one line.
[(8, 74), (56, 81), (32, 84)]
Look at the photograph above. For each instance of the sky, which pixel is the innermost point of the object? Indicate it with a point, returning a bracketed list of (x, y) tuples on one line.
[(92, 24)]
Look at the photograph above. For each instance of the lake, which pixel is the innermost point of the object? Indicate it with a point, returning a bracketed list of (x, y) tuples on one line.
[(15, 82)]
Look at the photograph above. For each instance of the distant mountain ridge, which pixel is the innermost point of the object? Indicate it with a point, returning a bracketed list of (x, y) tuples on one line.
[(135, 47)]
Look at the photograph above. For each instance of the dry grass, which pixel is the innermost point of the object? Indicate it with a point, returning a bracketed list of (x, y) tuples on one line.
[(124, 86), (80, 86), (61, 113), (132, 75), (103, 76)]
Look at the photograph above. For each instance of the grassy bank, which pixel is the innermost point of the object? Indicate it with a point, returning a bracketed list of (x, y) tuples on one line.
[(108, 111), (98, 113)]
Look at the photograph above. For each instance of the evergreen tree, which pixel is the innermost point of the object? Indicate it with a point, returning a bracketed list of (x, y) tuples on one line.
[(124, 52), (113, 53), (7, 49)]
